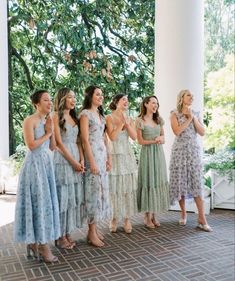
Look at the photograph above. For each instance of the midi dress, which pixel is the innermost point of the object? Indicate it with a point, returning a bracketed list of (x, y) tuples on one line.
[(185, 163), (96, 186), (153, 188), (69, 183), (37, 209), (123, 178)]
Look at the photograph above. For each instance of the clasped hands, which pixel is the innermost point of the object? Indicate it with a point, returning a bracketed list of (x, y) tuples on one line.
[(160, 140)]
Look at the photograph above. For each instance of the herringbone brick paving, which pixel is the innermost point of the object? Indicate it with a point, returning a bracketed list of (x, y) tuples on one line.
[(168, 253)]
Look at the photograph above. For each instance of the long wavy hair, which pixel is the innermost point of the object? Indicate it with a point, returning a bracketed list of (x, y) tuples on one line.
[(180, 97), (87, 102), (143, 109), (60, 106)]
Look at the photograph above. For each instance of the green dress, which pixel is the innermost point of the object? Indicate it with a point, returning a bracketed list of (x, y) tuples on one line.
[(153, 191)]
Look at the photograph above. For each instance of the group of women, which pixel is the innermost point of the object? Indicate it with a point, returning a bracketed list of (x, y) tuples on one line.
[(92, 174)]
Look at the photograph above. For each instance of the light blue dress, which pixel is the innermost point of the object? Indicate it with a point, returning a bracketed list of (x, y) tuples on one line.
[(96, 186), (69, 183), (37, 209)]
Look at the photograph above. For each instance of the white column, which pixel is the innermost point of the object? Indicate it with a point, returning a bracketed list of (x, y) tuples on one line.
[(4, 108), (179, 35)]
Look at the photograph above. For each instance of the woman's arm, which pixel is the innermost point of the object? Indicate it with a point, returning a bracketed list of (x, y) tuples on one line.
[(84, 129), (198, 126), (179, 128), (62, 148), (28, 131), (112, 131), (109, 157), (130, 127)]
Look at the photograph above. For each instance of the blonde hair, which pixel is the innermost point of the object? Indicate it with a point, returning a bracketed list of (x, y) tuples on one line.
[(180, 98)]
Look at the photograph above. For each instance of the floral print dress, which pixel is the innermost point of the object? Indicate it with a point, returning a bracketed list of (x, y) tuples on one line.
[(37, 209), (96, 186), (185, 164), (69, 183)]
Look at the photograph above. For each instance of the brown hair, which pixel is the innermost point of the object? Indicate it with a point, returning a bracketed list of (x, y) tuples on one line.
[(115, 100), (59, 106), (143, 109)]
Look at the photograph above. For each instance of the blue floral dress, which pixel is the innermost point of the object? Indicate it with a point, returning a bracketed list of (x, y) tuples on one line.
[(185, 164), (37, 209), (69, 183), (96, 186)]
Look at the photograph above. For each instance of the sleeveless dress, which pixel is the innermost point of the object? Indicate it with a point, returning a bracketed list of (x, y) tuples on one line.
[(69, 183), (123, 177), (185, 164), (153, 189), (96, 186), (37, 210)]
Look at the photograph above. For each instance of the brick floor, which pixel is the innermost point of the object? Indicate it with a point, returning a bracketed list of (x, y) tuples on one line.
[(168, 253)]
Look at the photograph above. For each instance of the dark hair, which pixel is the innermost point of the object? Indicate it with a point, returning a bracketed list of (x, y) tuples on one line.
[(115, 100), (87, 102), (143, 110), (59, 106), (36, 96)]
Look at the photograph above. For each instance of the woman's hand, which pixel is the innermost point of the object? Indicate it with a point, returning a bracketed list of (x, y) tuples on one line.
[(189, 114), (160, 140), (49, 126), (94, 169), (108, 165)]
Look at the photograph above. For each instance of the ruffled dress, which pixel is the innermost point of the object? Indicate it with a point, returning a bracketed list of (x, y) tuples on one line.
[(69, 184), (123, 178)]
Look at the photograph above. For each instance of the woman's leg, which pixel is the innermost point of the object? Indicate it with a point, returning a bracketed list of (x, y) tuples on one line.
[(92, 236), (183, 219)]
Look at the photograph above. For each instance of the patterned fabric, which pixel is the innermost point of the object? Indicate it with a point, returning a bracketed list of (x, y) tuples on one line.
[(123, 178), (96, 186), (37, 210), (185, 163), (153, 192), (69, 184)]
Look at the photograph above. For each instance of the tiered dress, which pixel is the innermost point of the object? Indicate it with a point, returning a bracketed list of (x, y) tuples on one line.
[(153, 189), (96, 186), (185, 164), (37, 210), (69, 183), (123, 178)]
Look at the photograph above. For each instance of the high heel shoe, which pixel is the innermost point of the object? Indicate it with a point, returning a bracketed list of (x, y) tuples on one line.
[(205, 227), (96, 243), (155, 222), (113, 226), (70, 240), (183, 221), (32, 248), (127, 227), (63, 243), (45, 254)]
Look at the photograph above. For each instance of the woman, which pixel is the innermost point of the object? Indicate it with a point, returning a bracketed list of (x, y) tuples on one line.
[(153, 192), (37, 212), (69, 166), (185, 164), (97, 163), (123, 175)]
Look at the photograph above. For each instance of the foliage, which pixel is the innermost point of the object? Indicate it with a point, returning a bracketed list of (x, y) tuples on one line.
[(219, 33), (219, 93), (71, 43), (222, 161), (18, 157)]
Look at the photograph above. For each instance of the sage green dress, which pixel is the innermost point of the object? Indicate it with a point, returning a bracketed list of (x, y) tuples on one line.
[(153, 191)]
